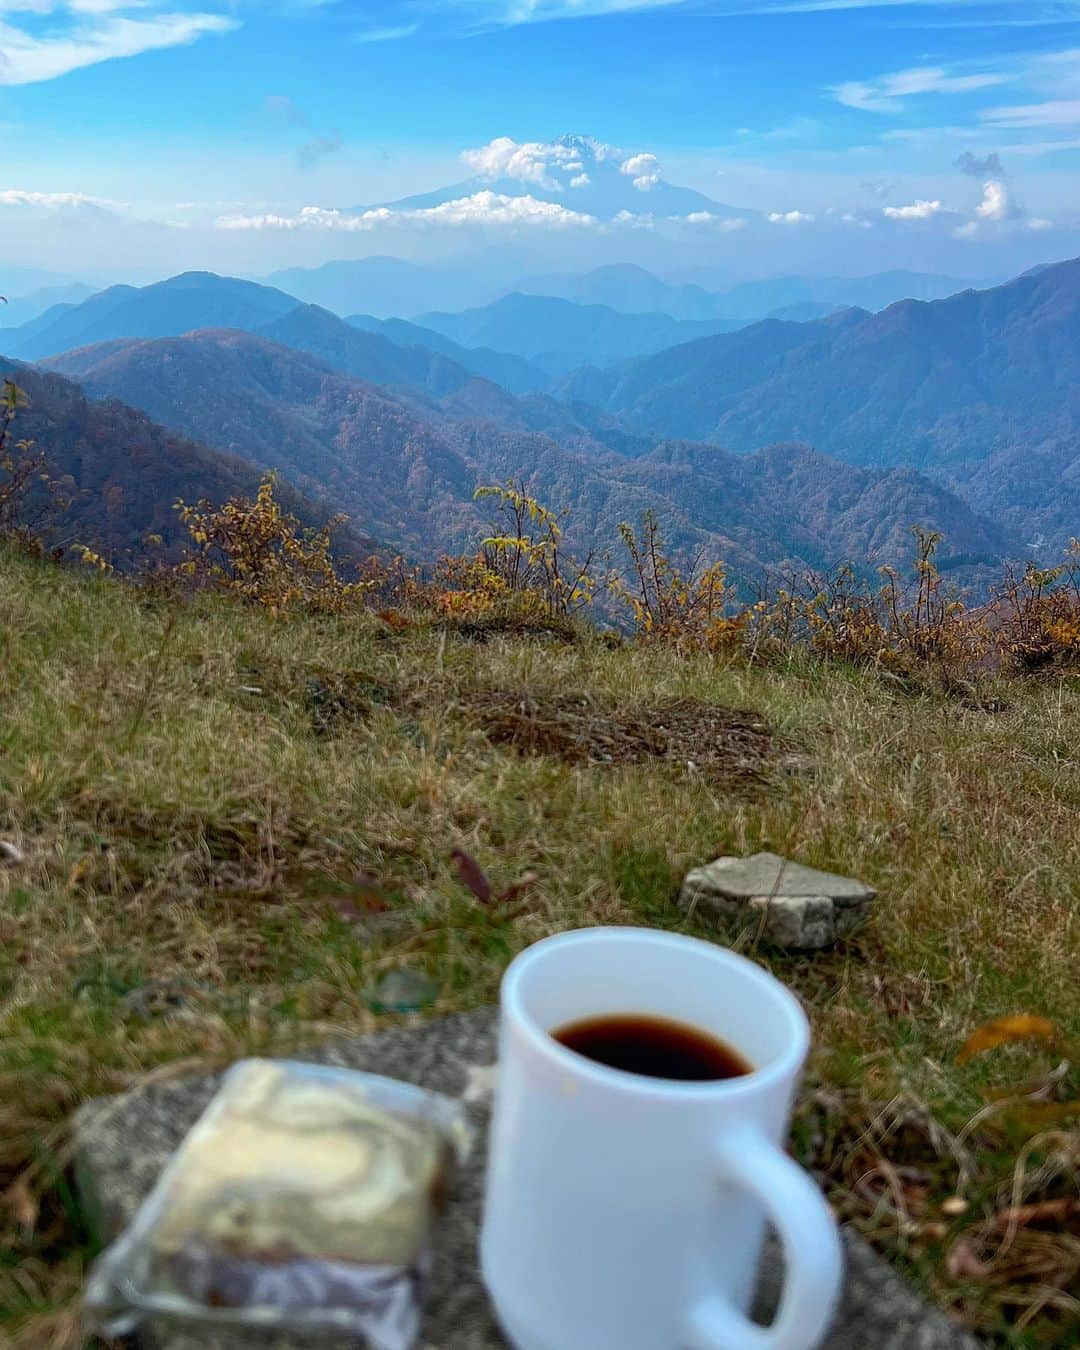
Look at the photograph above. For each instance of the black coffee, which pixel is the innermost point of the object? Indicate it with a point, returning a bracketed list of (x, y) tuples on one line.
[(654, 1047)]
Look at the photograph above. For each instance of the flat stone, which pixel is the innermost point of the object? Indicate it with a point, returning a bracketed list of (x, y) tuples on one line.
[(123, 1143), (792, 905)]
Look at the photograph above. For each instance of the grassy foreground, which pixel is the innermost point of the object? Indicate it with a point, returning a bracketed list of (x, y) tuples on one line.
[(231, 825)]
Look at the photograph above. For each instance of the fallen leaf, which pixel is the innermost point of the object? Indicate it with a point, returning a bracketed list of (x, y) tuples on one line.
[(472, 875), (1043, 1211), (963, 1264), (1002, 1030)]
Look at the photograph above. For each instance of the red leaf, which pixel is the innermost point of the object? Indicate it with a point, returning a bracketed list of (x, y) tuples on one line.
[(472, 875)]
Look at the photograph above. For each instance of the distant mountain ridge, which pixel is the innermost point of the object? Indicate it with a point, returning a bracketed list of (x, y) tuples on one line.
[(560, 335), (406, 473), (191, 300), (951, 387)]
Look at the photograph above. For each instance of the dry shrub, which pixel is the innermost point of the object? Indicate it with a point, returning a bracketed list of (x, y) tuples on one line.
[(259, 553), (1039, 615), (520, 579), (692, 609)]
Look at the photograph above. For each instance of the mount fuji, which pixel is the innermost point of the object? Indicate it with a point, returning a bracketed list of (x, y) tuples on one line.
[(578, 173)]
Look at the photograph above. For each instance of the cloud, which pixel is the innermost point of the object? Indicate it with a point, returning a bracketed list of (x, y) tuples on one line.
[(643, 169), (485, 209), (920, 210), (1055, 113), (580, 180), (392, 34), (87, 32), (988, 166), (998, 210), (529, 161), (725, 224), (790, 217), (886, 93), (50, 200), (997, 203)]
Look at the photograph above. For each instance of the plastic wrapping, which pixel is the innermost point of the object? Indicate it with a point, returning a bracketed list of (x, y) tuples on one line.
[(302, 1201)]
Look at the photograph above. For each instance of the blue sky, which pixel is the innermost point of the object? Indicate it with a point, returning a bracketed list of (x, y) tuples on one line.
[(170, 118)]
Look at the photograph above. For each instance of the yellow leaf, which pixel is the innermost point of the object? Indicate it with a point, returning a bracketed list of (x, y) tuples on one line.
[(1002, 1030)]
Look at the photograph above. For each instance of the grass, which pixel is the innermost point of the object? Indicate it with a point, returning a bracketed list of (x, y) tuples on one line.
[(202, 795)]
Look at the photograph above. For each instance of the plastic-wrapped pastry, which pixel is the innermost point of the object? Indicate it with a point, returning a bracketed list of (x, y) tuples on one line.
[(302, 1201)]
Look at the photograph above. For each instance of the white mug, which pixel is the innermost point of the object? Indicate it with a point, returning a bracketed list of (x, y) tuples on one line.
[(626, 1212)]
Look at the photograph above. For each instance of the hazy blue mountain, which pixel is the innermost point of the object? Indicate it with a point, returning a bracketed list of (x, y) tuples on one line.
[(406, 473), (381, 286), (179, 305), (760, 299), (982, 378), (24, 309), (512, 372), (559, 335), (628, 288)]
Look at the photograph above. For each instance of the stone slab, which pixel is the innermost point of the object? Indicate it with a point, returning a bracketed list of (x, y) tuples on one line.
[(123, 1143), (789, 904)]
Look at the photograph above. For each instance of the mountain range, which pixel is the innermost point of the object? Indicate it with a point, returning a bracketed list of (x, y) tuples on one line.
[(956, 387), (961, 414), (406, 470)]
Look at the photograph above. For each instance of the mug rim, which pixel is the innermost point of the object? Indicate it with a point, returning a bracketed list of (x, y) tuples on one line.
[(786, 1065)]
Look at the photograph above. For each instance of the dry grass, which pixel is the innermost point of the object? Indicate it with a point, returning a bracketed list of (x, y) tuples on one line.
[(200, 793)]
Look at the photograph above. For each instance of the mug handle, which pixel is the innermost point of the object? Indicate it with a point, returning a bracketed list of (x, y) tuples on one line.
[(811, 1244)]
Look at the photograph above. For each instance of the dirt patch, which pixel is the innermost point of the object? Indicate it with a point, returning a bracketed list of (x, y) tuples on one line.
[(727, 744)]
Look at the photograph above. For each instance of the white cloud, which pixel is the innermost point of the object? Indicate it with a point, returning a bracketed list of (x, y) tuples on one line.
[(790, 217), (996, 203), (1038, 223), (526, 161), (886, 93), (643, 169), (580, 180), (49, 200), (1056, 113), (725, 224), (644, 221), (87, 32), (920, 210), (486, 209), (997, 209)]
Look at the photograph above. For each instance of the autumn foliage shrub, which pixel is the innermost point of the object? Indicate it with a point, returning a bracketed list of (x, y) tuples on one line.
[(259, 553), (694, 608)]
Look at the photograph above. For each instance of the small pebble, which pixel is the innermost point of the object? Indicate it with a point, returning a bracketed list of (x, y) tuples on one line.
[(401, 991), (954, 1206), (10, 854)]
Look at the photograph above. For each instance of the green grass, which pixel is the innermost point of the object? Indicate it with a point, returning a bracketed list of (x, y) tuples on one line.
[(189, 843)]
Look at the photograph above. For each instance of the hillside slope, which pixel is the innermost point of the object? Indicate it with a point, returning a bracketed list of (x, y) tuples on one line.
[(123, 472), (406, 472)]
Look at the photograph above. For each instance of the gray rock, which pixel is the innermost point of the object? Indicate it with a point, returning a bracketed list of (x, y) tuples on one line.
[(123, 1143), (792, 905)]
